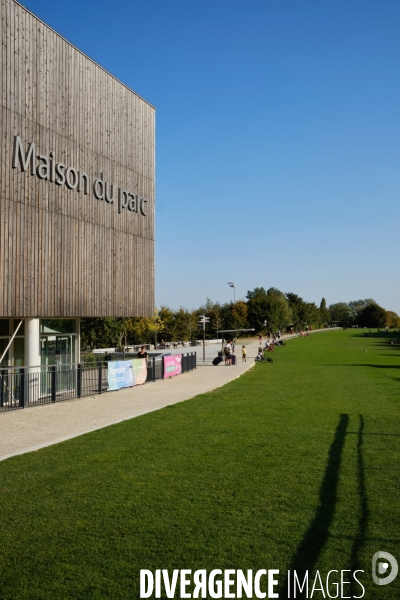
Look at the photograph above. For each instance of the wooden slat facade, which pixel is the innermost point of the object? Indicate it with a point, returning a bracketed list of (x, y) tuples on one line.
[(64, 253)]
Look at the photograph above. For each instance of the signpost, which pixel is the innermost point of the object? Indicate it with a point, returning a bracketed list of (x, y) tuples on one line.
[(202, 325)]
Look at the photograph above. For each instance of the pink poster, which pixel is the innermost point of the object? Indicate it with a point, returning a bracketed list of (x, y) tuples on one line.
[(172, 365)]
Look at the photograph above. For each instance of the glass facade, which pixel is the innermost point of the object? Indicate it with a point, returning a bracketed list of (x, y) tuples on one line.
[(58, 342), (15, 354)]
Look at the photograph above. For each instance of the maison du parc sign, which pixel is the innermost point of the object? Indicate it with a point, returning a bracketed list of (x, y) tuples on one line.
[(57, 172)]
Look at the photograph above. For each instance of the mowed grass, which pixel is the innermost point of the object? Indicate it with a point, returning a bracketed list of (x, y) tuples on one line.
[(295, 465)]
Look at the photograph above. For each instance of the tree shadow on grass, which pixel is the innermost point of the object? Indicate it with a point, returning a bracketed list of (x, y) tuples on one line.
[(366, 365), (377, 366), (388, 347), (316, 536)]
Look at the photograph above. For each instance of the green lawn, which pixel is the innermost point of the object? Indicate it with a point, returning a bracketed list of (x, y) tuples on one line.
[(295, 465)]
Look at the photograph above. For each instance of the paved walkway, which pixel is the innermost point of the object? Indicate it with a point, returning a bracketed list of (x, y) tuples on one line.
[(37, 427)]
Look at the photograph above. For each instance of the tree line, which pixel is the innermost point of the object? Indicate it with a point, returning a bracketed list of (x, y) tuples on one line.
[(263, 310)]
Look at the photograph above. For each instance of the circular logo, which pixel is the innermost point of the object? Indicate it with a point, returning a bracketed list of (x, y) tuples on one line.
[(380, 568)]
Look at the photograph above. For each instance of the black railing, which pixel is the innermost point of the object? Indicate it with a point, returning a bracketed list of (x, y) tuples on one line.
[(21, 387), (189, 361), (155, 368)]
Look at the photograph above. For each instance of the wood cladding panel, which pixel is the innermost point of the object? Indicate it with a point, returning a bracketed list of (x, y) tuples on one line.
[(85, 294), (64, 253)]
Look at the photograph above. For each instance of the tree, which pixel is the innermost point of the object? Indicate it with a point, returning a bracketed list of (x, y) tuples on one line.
[(298, 308), (392, 319), (372, 315), (103, 332), (341, 312), (324, 312), (239, 315), (120, 328), (356, 306), (186, 323), (279, 314), (272, 306), (155, 325), (214, 311), (256, 293), (138, 332), (217, 322), (257, 311), (312, 314), (167, 317), (234, 315)]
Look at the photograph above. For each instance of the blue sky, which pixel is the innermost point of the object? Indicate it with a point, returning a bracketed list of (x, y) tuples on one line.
[(278, 139)]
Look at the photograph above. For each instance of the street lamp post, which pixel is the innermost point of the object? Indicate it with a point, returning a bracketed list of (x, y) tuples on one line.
[(232, 285)]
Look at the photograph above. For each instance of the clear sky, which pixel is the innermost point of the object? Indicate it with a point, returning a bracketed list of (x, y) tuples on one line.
[(278, 139)]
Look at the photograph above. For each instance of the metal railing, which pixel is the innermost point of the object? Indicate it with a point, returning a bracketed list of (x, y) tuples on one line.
[(189, 361), (21, 387)]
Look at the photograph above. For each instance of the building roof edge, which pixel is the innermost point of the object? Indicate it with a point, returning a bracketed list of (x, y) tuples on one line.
[(85, 55)]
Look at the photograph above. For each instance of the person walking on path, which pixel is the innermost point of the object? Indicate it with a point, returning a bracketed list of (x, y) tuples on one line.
[(244, 353)]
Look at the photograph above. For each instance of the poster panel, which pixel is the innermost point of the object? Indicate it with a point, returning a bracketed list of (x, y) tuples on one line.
[(139, 371), (172, 365), (120, 374), (126, 373)]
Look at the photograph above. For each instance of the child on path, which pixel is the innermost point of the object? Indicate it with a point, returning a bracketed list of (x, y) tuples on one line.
[(244, 353)]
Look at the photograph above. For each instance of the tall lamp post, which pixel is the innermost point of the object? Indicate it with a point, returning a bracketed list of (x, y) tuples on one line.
[(232, 285)]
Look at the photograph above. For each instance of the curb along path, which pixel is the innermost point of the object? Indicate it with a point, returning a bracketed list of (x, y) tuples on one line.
[(27, 430)]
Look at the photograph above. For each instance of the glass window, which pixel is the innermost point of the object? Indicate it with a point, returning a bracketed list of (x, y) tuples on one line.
[(21, 330), (3, 346), (4, 327), (48, 350), (54, 326), (19, 351)]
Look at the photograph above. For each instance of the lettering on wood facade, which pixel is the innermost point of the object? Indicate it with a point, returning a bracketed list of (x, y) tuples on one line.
[(77, 180)]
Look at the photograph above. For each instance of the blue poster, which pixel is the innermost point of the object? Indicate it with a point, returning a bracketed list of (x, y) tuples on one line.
[(120, 374)]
